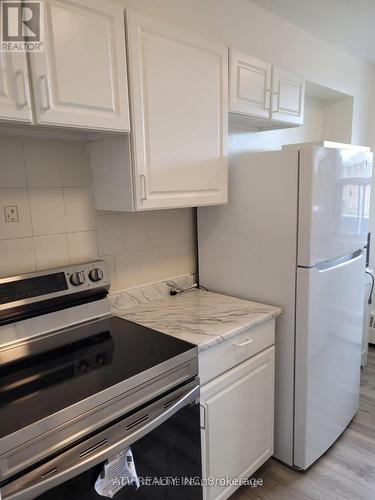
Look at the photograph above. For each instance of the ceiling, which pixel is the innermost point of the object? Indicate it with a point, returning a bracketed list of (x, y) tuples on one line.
[(347, 24)]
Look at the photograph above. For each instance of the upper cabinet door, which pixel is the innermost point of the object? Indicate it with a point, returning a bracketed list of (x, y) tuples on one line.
[(250, 85), (80, 79), (179, 102), (14, 88), (288, 96)]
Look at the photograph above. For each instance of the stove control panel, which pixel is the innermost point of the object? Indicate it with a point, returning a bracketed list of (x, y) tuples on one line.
[(89, 277)]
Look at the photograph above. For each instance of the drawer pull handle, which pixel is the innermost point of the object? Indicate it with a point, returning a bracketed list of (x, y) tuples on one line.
[(44, 93), (143, 188), (243, 344), (20, 78)]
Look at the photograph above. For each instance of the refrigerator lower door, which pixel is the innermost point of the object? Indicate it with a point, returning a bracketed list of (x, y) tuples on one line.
[(329, 314)]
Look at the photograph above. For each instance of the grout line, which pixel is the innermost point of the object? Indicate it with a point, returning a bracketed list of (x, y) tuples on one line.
[(48, 234), (57, 145), (29, 204)]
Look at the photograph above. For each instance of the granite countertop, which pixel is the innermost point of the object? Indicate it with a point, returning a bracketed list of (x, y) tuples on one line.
[(197, 316)]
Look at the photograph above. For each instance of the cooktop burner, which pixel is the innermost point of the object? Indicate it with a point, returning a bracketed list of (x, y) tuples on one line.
[(104, 353)]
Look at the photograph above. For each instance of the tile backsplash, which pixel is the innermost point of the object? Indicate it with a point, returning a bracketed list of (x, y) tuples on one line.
[(49, 181)]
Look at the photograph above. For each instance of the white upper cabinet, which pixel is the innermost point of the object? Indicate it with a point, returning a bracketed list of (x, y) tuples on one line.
[(288, 96), (80, 79), (250, 85), (268, 96), (14, 88), (179, 102)]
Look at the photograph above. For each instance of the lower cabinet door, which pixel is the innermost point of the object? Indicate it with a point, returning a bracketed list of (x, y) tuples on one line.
[(237, 424)]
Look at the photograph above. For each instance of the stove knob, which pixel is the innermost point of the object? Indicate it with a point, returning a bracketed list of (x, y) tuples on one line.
[(96, 275), (77, 279), (83, 366)]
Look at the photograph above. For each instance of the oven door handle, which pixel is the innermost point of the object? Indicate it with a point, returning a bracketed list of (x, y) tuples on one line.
[(98, 448)]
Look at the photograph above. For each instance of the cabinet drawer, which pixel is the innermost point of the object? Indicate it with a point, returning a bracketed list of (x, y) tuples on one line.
[(224, 356)]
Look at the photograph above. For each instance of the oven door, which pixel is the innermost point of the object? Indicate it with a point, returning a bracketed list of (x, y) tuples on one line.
[(165, 441)]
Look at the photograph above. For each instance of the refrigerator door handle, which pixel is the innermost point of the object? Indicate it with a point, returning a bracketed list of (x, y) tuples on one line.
[(336, 262)]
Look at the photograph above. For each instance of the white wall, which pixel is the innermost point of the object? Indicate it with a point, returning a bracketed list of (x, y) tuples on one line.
[(337, 124), (253, 30)]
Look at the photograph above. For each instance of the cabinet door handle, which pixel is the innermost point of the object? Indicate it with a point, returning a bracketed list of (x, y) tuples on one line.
[(267, 99), (277, 95), (203, 416), (44, 93), (21, 89), (243, 344), (143, 187)]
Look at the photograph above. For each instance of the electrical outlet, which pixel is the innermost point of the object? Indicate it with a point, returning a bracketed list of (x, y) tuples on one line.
[(11, 213)]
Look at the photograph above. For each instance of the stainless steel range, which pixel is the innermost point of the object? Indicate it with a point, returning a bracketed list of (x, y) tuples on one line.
[(78, 385)]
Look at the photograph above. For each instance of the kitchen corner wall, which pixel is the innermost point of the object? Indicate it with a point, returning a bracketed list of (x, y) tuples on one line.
[(49, 181)]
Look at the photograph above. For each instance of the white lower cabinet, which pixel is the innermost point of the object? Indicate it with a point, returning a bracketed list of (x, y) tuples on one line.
[(237, 419)]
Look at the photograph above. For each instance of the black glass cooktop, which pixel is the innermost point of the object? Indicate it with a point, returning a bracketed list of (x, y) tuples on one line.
[(103, 353)]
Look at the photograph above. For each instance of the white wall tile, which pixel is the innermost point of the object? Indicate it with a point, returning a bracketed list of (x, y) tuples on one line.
[(156, 228), (42, 163), (12, 165), (51, 251), (17, 256), (150, 265), (110, 266), (139, 245), (172, 227), (110, 234), (20, 199), (79, 209), (180, 225), (186, 225), (75, 166), (134, 231), (47, 211), (127, 270), (187, 260), (171, 261), (82, 246)]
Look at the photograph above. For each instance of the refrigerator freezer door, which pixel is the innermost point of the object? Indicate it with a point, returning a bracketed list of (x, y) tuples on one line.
[(329, 316), (334, 202)]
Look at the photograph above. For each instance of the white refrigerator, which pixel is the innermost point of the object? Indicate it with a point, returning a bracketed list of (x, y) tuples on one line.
[(292, 235)]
